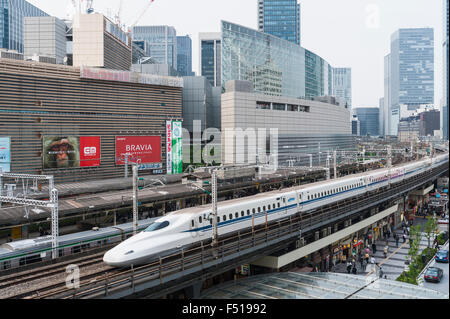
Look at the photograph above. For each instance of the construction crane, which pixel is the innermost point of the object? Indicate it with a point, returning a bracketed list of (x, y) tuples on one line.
[(89, 6), (117, 18), (150, 2)]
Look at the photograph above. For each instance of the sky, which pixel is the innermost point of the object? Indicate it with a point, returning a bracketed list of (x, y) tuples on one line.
[(346, 33)]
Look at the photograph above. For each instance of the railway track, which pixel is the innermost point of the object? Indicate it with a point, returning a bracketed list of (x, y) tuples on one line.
[(101, 279)]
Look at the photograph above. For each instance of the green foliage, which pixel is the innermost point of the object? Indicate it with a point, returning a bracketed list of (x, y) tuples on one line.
[(430, 229), (416, 267)]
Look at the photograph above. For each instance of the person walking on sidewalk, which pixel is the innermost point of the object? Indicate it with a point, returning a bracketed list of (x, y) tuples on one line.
[(404, 238), (374, 248), (364, 265), (386, 250), (349, 266), (354, 270), (396, 239)]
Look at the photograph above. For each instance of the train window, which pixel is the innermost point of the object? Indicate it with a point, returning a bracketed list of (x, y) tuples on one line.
[(192, 223), (75, 250), (60, 252), (254, 211), (259, 209), (268, 207), (218, 219), (278, 205), (248, 212), (200, 219), (224, 218), (160, 225), (7, 264), (236, 215), (242, 214), (231, 216), (85, 246), (308, 197), (264, 208)]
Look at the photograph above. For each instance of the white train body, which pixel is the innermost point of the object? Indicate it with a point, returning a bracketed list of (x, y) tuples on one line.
[(188, 226)]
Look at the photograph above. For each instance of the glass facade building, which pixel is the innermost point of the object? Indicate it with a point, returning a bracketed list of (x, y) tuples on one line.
[(162, 41), (412, 68), (280, 18), (184, 58), (12, 13), (445, 102), (342, 84), (369, 119), (275, 66)]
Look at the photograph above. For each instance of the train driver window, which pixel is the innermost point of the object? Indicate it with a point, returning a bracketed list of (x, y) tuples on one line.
[(160, 225), (192, 223)]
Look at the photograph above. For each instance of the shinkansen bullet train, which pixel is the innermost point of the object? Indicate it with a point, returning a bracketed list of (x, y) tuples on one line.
[(186, 227)]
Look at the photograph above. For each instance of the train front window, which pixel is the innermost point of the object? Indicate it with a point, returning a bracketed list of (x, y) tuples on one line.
[(157, 226)]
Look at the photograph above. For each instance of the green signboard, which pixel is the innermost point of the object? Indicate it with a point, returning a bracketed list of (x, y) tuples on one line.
[(177, 147)]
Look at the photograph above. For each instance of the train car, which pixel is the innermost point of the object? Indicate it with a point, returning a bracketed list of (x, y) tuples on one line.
[(23, 252)]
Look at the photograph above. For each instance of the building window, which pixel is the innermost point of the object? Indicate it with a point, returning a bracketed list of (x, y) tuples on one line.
[(292, 108), (262, 105), (279, 107)]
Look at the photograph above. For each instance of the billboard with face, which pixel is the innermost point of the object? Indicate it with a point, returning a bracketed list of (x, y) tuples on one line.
[(140, 149), (71, 151)]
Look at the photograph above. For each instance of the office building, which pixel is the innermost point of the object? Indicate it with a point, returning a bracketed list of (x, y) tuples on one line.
[(274, 66), (98, 42), (381, 117), (201, 102), (281, 19), (418, 126), (303, 126), (162, 41), (388, 130), (12, 13), (342, 84), (446, 83), (356, 126), (369, 118), (45, 36), (210, 55), (97, 106), (184, 58), (412, 68)]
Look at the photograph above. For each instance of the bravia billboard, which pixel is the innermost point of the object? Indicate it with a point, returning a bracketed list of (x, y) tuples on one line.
[(71, 151), (5, 154), (141, 149)]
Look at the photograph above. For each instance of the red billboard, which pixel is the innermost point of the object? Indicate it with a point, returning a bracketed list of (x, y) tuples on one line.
[(143, 149), (89, 151)]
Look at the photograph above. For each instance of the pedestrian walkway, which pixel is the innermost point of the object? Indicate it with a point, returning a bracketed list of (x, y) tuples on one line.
[(393, 265)]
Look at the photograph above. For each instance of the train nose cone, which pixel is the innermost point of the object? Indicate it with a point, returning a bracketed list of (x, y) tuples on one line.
[(112, 258)]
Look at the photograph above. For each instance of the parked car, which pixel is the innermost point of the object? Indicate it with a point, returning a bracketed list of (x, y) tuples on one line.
[(441, 256), (433, 274)]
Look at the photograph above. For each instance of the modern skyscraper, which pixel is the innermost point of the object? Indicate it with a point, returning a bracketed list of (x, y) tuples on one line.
[(280, 18), (412, 68), (445, 73), (369, 118), (184, 58), (162, 41), (12, 13), (210, 57), (387, 97), (381, 117), (342, 84)]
